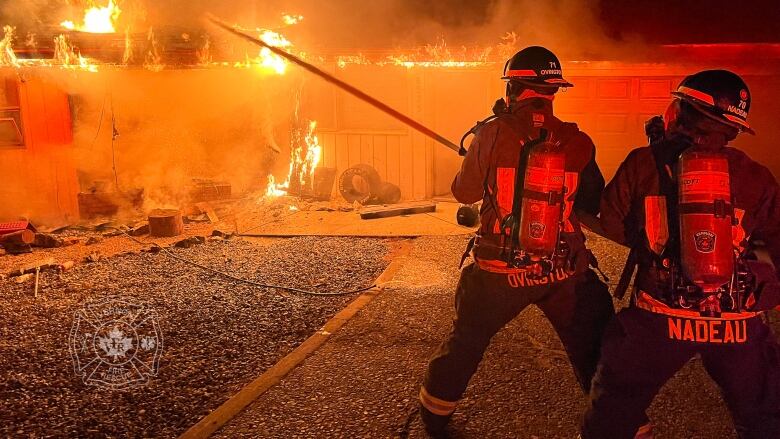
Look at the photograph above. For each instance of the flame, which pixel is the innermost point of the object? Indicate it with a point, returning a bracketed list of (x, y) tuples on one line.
[(268, 59), (68, 57), (440, 55), (304, 159), (204, 53), (290, 20), (359, 59), (153, 59), (127, 55), (97, 20), (273, 190), (7, 55)]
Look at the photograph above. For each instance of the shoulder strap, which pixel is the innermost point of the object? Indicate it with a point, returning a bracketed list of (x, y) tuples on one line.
[(667, 188)]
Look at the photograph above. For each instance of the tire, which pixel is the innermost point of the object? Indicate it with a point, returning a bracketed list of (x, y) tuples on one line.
[(388, 193), (359, 183)]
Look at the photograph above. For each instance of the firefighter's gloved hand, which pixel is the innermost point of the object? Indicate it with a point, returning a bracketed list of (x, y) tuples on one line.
[(766, 291), (500, 107), (579, 256)]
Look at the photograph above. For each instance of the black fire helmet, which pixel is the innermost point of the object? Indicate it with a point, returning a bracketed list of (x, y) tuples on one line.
[(537, 67), (718, 94)]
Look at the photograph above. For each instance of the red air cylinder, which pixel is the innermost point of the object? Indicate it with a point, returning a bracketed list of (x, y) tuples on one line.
[(706, 213), (540, 213)]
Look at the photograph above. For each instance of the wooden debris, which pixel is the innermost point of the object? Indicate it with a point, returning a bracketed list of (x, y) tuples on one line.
[(189, 242), (25, 236), (93, 240), (409, 208), (208, 210), (165, 223), (209, 190), (139, 229), (18, 242), (47, 241), (23, 278)]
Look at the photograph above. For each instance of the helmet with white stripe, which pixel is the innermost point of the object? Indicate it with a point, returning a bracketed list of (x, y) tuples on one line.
[(537, 67), (718, 94)]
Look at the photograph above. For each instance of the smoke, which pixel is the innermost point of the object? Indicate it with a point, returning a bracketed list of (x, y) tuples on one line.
[(229, 124), (571, 28)]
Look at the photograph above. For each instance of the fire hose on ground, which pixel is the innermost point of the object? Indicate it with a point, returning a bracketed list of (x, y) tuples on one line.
[(243, 280)]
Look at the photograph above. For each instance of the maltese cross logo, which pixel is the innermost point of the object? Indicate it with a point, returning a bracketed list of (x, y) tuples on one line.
[(115, 343)]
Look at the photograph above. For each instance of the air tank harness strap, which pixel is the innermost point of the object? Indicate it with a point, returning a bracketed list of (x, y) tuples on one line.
[(667, 188), (719, 208), (552, 197), (469, 247)]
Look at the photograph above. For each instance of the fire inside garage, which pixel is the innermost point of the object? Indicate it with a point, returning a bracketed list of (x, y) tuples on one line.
[(249, 219)]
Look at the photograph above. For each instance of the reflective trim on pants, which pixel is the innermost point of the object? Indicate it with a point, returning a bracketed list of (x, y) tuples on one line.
[(435, 405)]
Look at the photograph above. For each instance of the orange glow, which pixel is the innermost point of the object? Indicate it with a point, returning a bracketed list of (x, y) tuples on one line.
[(97, 20)]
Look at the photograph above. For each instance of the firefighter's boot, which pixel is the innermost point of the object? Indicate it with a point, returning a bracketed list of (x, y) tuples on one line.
[(435, 425)]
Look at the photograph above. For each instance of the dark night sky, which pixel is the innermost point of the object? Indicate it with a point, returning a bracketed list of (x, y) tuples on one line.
[(693, 21), (340, 23)]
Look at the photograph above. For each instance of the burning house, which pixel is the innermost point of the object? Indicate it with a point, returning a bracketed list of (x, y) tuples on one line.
[(92, 105)]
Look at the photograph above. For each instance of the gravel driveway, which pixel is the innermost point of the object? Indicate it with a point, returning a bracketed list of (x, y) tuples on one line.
[(218, 334)]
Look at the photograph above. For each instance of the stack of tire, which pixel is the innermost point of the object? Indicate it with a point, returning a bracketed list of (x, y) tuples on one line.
[(362, 183)]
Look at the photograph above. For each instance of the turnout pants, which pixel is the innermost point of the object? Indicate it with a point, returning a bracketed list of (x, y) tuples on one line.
[(643, 349), (579, 309)]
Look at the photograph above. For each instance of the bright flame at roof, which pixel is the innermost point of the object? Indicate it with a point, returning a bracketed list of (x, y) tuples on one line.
[(269, 59), (97, 20), (70, 58), (291, 19)]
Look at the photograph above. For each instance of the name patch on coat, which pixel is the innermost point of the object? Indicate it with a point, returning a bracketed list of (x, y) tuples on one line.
[(708, 331), (521, 279)]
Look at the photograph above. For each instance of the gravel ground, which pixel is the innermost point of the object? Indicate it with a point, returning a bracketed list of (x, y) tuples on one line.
[(218, 334), (364, 381)]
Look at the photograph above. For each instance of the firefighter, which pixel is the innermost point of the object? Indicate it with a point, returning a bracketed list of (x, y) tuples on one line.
[(523, 156), (693, 210)]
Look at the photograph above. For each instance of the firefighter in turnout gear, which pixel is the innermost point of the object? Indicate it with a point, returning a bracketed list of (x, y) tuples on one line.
[(693, 211), (531, 171)]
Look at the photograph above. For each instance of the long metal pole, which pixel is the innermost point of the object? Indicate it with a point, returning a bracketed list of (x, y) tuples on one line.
[(342, 85)]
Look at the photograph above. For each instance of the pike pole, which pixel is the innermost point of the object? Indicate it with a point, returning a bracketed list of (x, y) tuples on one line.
[(342, 85)]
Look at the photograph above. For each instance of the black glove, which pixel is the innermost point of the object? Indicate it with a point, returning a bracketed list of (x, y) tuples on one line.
[(766, 286), (578, 257), (500, 107)]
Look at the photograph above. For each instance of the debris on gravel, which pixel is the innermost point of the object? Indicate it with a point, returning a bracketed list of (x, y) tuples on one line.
[(218, 334)]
